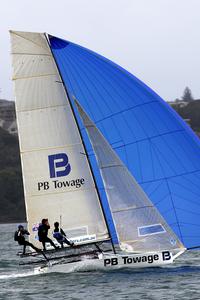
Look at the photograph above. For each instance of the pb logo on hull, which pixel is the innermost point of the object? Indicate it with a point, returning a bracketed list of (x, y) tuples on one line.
[(59, 165)]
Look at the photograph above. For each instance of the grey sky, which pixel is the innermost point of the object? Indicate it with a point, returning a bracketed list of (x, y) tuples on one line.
[(156, 40)]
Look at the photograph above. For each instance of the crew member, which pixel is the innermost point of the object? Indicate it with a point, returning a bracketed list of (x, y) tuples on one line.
[(60, 236), (20, 238), (43, 234)]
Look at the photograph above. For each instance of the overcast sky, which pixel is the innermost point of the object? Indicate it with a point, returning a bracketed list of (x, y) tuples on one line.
[(156, 40)]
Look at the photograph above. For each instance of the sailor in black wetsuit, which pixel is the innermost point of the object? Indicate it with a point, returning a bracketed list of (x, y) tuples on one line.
[(60, 235), (20, 238), (43, 234)]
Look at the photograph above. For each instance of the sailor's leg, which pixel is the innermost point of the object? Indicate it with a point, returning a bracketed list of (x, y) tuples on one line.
[(67, 242), (43, 244), (32, 246), (48, 240), (24, 248)]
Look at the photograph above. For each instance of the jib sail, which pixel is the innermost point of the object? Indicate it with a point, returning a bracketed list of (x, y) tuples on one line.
[(139, 225)]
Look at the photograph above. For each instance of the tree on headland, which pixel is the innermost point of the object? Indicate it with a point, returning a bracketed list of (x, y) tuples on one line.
[(187, 95)]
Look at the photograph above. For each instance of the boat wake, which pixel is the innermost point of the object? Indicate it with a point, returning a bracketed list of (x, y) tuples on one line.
[(19, 275)]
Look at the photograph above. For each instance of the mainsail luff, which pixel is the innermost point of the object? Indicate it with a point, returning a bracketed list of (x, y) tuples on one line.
[(135, 218), (57, 177)]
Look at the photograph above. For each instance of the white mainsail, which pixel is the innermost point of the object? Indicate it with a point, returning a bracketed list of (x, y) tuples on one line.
[(139, 225), (58, 183)]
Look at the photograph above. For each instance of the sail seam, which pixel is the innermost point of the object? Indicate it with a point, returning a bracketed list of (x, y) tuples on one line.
[(168, 177), (49, 148), (175, 212), (125, 110), (188, 211), (111, 166), (186, 223), (186, 189), (33, 54), (41, 108), (149, 138), (123, 209), (34, 76), (131, 208)]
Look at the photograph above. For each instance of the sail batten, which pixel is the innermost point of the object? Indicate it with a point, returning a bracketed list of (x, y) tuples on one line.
[(42, 107), (130, 208), (110, 166), (36, 76)]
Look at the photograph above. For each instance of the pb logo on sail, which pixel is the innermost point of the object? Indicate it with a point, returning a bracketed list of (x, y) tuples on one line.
[(59, 165)]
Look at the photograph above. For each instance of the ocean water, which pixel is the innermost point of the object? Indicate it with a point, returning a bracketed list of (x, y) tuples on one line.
[(178, 281)]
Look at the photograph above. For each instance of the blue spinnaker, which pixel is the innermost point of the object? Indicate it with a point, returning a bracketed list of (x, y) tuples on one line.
[(156, 145)]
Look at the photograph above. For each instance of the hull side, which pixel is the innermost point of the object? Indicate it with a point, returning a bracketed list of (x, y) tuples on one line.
[(108, 262)]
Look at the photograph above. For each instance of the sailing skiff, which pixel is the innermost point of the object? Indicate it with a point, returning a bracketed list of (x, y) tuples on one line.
[(111, 176)]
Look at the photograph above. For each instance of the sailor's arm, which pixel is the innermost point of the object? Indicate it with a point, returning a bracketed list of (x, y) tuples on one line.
[(62, 232), (26, 232)]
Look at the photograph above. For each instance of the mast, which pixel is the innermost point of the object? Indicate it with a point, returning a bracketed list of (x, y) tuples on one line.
[(85, 150)]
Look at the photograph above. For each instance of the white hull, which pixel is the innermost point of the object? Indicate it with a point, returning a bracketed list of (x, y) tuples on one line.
[(112, 262)]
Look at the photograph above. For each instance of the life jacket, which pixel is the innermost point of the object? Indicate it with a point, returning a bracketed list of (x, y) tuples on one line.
[(16, 237), (58, 236), (19, 238), (42, 232)]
